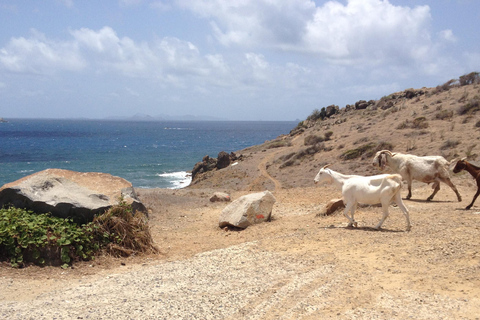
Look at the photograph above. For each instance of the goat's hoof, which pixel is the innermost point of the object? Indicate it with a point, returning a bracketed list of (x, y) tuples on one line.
[(468, 207), (429, 199), (409, 228)]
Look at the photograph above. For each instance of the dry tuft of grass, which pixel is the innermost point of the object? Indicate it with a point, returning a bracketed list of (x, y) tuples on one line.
[(129, 233)]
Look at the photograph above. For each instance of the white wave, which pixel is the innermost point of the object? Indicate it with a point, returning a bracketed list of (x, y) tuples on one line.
[(179, 179)]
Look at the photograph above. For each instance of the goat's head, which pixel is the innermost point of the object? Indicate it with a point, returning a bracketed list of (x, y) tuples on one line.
[(460, 165), (380, 158), (322, 175)]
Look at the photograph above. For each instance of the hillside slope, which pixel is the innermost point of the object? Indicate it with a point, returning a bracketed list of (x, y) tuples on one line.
[(427, 121)]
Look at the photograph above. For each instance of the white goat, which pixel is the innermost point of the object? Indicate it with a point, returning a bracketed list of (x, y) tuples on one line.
[(425, 169), (383, 188)]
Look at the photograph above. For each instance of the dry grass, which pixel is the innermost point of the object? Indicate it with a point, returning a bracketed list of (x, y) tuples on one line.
[(129, 233)]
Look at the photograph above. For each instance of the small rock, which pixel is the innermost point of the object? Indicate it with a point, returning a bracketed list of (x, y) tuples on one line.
[(219, 197)]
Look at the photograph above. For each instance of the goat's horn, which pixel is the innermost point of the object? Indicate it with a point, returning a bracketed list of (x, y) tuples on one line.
[(389, 152), (325, 166), (463, 159)]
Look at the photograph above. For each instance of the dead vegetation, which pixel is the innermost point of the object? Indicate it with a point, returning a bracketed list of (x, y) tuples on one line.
[(127, 233)]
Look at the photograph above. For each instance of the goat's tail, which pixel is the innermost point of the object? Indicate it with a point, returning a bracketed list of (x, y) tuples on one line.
[(397, 178)]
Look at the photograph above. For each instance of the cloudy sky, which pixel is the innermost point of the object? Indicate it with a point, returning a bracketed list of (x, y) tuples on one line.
[(231, 59)]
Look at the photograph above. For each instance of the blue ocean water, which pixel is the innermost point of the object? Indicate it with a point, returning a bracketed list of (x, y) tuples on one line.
[(148, 154)]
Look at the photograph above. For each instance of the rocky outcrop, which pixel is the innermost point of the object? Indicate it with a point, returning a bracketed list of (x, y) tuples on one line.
[(223, 160), (69, 194), (208, 164), (247, 210), (331, 110)]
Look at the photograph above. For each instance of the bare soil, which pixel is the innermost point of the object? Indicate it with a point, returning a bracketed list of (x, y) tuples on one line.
[(302, 264)]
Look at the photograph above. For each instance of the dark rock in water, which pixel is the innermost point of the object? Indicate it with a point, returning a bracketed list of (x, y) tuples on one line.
[(69, 194)]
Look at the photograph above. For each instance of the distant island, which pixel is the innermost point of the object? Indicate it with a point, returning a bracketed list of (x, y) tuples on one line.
[(164, 117)]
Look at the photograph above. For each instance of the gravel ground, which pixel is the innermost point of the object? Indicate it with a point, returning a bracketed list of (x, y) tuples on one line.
[(299, 266)]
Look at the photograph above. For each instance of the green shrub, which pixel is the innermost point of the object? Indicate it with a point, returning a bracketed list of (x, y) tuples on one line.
[(471, 78), (295, 158), (417, 123), (446, 86), (328, 135), (316, 114), (277, 144), (420, 123), (24, 234), (471, 107), (366, 150), (312, 139), (449, 144), (404, 125), (355, 153), (46, 240), (444, 114)]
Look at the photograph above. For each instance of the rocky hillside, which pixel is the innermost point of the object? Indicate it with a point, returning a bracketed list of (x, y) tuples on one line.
[(428, 121)]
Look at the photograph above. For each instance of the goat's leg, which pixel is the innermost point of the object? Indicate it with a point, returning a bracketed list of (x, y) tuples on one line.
[(349, 207), (401, 205), (352, 213), (474, 198), (435, 187), (449, 183), (409, 183), (385, 214)]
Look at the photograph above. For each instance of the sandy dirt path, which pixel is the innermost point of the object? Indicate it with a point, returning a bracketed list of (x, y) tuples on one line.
[(298, 266)]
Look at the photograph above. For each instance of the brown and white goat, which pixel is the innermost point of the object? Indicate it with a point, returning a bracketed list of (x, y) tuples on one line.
[(425, 169), (474, 171)]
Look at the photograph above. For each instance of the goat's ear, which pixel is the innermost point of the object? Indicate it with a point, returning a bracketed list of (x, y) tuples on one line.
[(382, 160), (452, 164)]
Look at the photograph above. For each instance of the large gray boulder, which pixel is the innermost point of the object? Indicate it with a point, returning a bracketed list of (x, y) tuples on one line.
[(247, 210), (69, 194)]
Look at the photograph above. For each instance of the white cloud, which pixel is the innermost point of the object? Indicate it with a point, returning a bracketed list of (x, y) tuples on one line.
[(103, 51), (39, 55), (368, 31), (130, 2), (256, 69), (160, 5), (67, 3), (448, 35), (253, 22), (132, 92)]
